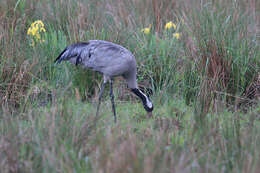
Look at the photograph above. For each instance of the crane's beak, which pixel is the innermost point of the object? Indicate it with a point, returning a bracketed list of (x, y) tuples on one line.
[(149, 114)]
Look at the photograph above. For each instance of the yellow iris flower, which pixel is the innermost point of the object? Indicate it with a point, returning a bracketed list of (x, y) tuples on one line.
[(147, 29), (177, 35), (35, 29), (170, 25)]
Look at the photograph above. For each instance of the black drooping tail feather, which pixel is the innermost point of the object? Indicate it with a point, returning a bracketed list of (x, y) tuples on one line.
[(73, 50), (59, 59)]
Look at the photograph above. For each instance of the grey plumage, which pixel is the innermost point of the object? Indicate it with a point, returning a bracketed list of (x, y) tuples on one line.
[(109, 59)]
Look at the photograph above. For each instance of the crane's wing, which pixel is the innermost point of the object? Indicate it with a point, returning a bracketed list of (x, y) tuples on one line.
[(102, 56), (110, 59)]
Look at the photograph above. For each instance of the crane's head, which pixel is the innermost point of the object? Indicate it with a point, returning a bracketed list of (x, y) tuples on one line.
[(148, 105)]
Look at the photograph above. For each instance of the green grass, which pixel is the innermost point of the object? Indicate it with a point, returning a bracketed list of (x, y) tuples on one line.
[(204, 86)]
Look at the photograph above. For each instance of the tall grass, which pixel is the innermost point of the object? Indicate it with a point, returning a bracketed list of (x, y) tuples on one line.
[(204, 85)]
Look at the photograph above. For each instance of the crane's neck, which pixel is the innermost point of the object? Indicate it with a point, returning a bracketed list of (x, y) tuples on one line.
[(148, 106)]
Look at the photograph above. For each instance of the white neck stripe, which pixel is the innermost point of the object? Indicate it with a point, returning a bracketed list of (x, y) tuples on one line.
[(148, 102)]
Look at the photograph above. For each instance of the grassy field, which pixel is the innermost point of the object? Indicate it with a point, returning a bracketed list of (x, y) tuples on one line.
[(202, 74)]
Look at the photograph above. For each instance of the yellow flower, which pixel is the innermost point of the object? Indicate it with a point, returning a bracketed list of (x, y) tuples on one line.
[(169, 25), (36, 27), (42, 30), (35, 31), (147, 29), (37, 22), (29, 31), (177, 35)]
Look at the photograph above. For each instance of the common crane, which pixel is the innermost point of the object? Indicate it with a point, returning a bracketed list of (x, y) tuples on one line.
[(111, 60)]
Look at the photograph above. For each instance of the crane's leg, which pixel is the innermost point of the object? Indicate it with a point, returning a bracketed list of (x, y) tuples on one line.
[(100, 96), (112, 99)]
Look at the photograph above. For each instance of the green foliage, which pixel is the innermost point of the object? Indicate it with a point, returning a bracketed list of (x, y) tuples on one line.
[(158, 61), (199, 83)]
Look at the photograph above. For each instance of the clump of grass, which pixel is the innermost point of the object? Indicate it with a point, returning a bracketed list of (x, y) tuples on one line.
[(47, 110), (159, 61), (223, 52), (55, 137)]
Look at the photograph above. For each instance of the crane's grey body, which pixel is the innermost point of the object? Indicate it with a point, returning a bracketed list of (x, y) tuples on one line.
[(109, 59)]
